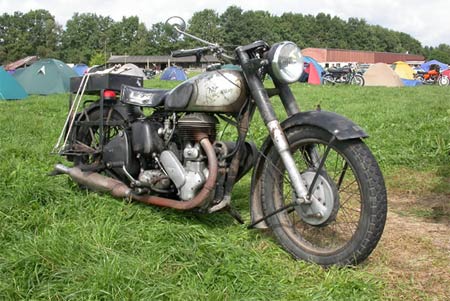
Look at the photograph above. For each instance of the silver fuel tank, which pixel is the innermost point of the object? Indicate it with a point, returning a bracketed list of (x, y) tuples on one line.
[(216, 91)]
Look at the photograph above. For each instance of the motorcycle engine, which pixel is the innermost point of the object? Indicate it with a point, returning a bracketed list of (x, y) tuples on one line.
[(190, 175), (186, 164), (192, 127)]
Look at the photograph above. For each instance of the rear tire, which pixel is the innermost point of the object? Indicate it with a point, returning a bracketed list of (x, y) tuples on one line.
[(349, 235), (328, 80), (89, 135)]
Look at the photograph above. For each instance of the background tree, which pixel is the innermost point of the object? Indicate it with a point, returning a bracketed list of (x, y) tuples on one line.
[(440, 53), (258, 25), (232, 24), (98, 58), (206, 24), (128, 36), (85, 35), (33, 33), (163, 40), (44, 34)]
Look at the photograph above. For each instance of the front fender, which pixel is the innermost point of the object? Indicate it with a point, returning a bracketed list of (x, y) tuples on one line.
[(339, 126)]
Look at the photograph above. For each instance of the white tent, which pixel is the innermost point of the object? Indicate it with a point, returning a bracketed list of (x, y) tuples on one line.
[(129, 69)]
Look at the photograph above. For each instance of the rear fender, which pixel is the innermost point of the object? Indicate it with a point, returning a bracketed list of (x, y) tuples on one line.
[(339, 126), (128, 113)]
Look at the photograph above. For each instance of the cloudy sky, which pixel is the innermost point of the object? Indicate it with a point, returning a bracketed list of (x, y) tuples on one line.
[(426, 20)]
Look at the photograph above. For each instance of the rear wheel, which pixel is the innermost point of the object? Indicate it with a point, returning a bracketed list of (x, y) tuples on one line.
[(420, 78), (328, 79), (88, 137), (350, 190)]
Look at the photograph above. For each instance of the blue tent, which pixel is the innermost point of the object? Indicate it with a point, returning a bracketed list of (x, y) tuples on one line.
[(173, 73), (80, 69), (312, 72), (411, 82), (9, 87), (426, 66)]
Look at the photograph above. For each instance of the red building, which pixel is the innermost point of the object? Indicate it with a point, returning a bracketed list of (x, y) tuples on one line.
[(323, 55)]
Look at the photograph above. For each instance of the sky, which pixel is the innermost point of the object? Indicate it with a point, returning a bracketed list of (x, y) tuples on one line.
[(425, 20)]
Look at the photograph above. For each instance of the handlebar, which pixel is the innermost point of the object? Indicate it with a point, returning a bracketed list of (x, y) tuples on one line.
[(190, 52), (198, 52)]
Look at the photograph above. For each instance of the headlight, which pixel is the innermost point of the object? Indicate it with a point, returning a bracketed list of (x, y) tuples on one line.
[(286, 62)]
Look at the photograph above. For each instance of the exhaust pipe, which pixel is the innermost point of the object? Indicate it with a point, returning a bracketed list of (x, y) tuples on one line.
[(118, 189)]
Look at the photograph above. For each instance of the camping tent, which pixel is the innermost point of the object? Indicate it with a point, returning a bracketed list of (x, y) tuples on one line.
[(130, 69), (411, 82), (381, 74), (403, 70), (406, 74), (9, 87), (446, 73), (426, 66), (173, 73), (45, 77), (312, 71), (80, 69), (17, 72)]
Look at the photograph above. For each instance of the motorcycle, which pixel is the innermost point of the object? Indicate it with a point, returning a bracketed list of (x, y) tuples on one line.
[(315, 183), (432, 77), (345, 75)]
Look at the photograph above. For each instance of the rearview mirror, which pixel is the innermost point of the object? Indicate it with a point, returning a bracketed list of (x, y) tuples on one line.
[(177, 23)]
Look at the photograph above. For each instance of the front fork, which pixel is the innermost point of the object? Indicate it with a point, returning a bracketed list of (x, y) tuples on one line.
[(259, 94)]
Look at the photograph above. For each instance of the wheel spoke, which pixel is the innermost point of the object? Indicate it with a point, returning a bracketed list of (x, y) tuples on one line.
[(339, 230), (88, 134)]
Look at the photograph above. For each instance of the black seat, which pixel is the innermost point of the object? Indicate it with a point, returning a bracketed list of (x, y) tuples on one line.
[(143, 97), (339, 70)]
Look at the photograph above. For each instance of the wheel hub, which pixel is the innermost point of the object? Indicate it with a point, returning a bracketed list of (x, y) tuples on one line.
[(324, 200)]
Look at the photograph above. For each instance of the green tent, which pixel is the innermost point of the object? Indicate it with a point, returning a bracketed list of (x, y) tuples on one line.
[(9, 87), (48, 76)]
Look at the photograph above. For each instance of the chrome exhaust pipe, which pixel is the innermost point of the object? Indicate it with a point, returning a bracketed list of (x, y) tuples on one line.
[(118, 189)]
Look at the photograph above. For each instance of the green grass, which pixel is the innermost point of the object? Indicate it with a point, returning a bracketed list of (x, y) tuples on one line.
[(61, 243)]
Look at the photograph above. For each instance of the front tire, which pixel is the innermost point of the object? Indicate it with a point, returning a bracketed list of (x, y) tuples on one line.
[(356, 196), (444, 81), (357, 80)]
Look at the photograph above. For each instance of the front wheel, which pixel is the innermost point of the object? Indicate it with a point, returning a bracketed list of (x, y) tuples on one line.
[(357, 80), (350, 187), (444, 81)]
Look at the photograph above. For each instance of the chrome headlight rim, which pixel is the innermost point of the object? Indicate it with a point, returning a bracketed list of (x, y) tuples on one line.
[(275, 63)]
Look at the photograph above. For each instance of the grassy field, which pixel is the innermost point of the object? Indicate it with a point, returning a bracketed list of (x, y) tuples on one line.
[(61, 243)]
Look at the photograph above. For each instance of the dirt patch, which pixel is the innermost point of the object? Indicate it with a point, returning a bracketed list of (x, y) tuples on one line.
[(414, 252)]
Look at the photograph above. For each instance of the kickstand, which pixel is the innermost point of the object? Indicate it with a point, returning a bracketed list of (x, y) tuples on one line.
[(234, 213)]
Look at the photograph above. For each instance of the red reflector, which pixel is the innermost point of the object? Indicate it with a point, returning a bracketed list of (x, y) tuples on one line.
[(109, 94)]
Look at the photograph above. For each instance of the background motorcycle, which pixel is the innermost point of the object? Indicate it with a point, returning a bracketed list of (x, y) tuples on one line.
[(344, 75), (315, 183), (432, 77)]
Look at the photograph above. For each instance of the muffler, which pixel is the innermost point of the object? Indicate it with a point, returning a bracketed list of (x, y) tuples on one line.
[(97, 182)]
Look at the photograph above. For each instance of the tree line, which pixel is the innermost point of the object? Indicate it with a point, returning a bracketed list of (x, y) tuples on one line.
[(91, 38)]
